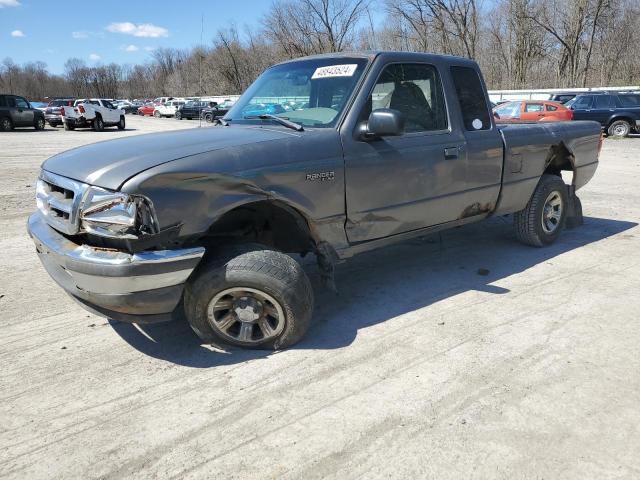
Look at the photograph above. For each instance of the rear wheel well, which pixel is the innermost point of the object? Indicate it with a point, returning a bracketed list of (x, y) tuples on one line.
[(615, 119), (559, 159), (270, 223)]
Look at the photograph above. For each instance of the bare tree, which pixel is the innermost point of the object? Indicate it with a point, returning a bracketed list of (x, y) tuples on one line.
[(305, 27)]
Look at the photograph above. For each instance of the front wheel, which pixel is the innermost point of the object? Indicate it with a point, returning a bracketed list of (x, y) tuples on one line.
[(251, 297), (5, 124), (121, 123), (619, 129), (178, 116), (208, 118), (542, 220), (156, 114)]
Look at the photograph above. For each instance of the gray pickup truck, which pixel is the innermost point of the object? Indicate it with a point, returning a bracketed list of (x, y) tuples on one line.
[(330, 155)]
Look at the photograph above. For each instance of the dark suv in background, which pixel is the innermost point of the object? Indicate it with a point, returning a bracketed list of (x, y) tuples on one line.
[(16, 111), (618, 113)]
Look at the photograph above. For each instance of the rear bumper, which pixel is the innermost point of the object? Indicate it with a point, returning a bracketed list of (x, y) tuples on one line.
[(53, 119), (78, 122), (141, 287)]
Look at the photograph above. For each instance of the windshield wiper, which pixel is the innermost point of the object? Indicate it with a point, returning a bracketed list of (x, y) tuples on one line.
[(280, 120)]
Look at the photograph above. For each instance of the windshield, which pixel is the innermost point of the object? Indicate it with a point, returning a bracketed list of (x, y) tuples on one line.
[(311, 93)]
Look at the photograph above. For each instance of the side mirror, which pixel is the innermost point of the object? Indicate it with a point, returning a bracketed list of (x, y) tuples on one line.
[(385, 122)]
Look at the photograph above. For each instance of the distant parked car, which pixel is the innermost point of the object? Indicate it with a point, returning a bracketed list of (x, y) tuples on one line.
[(39, 105), (129, 107), (53, 114), (617, 113), (192, 110), (147, 109), (15, 111), (531, 111), (167, 109), (209, 114), (95, 113)]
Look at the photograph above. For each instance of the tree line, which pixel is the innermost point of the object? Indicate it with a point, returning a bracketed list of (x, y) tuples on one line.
[(518, 44)]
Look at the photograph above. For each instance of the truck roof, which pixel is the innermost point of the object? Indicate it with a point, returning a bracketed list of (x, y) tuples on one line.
[(392, 55)]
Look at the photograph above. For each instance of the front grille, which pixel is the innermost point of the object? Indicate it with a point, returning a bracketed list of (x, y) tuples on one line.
[(58, 199)]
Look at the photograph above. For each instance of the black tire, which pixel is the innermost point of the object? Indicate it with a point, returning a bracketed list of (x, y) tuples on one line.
[(529, 223), (178, 116), (98, 124), (68, 127), (252, 267), (121, 123), (156, 114), (619, 129), (6, 125), (39, 124), (208, 118)]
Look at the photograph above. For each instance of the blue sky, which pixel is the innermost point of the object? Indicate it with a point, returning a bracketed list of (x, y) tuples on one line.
[(114, 30)]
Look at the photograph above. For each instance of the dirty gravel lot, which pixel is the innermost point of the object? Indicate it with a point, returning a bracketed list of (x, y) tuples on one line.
[(420, 368)]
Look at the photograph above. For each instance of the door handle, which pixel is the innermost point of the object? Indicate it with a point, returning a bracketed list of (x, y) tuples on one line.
[(451, 153)]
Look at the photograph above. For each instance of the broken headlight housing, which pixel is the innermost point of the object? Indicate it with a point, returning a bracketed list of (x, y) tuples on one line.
[(116, 215)]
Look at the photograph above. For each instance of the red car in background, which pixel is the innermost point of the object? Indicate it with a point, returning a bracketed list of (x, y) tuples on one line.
[(532, 111), (147, 109)]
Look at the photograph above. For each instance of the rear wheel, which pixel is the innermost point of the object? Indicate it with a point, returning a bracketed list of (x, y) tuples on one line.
[(619, 129), (208, 118), (68, 127), (121, 123), (178, 116), (251, 297), (98, 124), (6, 124), (39, 124), (542, 220)]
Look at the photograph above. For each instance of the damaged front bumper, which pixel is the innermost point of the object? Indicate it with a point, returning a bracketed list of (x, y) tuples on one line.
[(141, 287)]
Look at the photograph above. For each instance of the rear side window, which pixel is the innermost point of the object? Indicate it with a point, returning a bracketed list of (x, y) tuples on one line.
[(551, 108), (629, 100), (533, 107), (471, 97), (604, 101)]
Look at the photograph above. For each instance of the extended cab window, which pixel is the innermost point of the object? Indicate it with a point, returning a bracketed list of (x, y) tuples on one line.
[(471, 97), (108, 104), (416, 91)]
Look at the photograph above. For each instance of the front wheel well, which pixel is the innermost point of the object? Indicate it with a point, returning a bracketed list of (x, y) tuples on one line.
[(271, 223)]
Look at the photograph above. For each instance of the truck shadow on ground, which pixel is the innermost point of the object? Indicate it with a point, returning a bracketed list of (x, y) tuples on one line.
[(383, 284)]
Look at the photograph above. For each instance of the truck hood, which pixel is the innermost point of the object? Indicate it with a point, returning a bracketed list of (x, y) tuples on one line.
[(109, 164)]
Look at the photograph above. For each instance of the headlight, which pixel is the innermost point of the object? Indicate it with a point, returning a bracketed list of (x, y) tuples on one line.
[(116, 215)]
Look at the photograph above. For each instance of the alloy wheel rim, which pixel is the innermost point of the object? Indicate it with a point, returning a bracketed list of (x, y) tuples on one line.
[(246, 315), (6, 124), (552, 212)]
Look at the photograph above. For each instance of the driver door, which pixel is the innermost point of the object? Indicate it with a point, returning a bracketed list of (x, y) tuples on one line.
[(412, 181)]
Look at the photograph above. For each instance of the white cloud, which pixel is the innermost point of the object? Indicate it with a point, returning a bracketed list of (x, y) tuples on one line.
[(17, 33), (80, 35), (130, 48), (94, 57), (139, 30), (9, 3)]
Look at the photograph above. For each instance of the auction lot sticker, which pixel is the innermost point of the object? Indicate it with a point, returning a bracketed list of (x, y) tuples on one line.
[(335, 71)]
